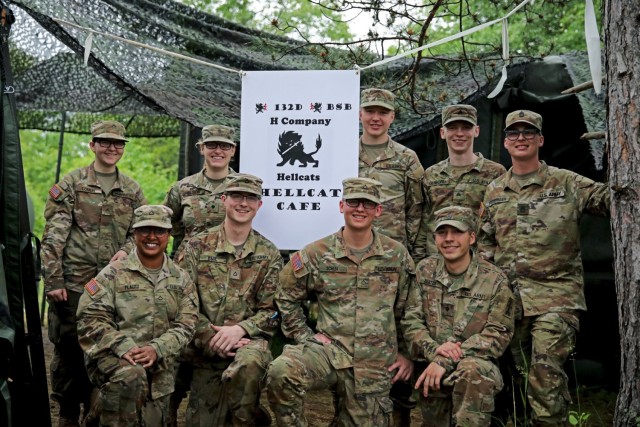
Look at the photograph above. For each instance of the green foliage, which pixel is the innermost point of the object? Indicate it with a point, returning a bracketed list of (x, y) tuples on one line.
[(296, 18), (579, 419), (539, 29), (153, 162)]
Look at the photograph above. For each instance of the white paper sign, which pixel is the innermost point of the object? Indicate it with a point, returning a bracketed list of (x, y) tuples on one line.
[(299, 133)]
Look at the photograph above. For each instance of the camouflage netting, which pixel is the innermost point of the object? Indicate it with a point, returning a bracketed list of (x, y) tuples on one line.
[(146, 89)]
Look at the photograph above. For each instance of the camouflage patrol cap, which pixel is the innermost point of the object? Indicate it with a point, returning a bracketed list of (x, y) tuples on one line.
[(456, 216), (377, 97), (218, 133), (524, 116), (466, 113), (152, 216), (243, 182), (361, 188), (108, 129)]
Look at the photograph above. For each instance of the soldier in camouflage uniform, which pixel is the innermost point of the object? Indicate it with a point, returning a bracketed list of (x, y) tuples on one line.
[(395, 166), (460, 180), (89, 216), (400, 172), (133, 320), (197, 207), (459, 319), (360, 278), (195, 200), (531, 231), (236, 272)]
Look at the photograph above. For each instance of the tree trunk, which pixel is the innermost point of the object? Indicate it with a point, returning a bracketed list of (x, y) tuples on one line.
[(622, 47)]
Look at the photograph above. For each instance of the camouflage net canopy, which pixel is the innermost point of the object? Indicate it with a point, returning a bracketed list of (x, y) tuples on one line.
[(145, 89)]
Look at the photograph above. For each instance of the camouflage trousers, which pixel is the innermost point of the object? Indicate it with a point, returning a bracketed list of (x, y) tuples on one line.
[(69, 381), (466, 398), (228, 392), (540, 347), (306, 367), (124, 398)]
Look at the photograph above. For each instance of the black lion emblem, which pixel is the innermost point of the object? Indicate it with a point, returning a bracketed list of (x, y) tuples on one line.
[(291, 149)]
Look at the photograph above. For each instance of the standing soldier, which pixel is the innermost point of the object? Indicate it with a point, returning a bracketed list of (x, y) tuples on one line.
[(134, 318), (400, 172), (89, 216), (460, 180), (195, 200), (236, 272), (459, 319), (531, 231), (360, 279), (197, 207)]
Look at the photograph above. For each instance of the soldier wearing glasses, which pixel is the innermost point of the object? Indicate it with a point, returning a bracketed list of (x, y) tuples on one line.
[(88, 225), (195, 200), (531, 231), (134, 318), (236, 272), (360, 278)]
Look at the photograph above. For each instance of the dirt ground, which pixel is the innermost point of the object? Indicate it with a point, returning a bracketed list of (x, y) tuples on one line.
[(318, 406), (592, 407)]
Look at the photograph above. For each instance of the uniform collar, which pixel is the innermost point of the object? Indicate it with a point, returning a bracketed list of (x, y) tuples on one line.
[(224, 246), (538, 178), (470, 275), (341, 250), (388, 153)]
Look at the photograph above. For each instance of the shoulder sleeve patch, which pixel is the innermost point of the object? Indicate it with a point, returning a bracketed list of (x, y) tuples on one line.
[(92, 287), (296, 262), (55, 192)]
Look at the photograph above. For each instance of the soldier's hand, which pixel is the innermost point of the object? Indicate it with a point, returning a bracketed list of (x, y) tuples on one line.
[(240, 344), (57, 295), (145, 355), (404, 367), (118, 255), (450, 350), (430, 378), (320, 337), (226, 338)]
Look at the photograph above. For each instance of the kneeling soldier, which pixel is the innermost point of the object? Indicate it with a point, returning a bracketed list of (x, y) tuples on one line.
[(134, 318), (459, 319)]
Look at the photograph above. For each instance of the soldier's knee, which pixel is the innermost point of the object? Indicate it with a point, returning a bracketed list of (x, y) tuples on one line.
[(130, 381)]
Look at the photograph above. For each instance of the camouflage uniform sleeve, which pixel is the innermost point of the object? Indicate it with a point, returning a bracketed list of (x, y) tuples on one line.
[(139, 201), (188, 259), (413, 200), (416, 335), (176, 338), (291, 293), (420, 245), (496, 334), (173, 201), (265, 322), (58, 214), (487, 232), (97, 330), (405, 283), (593, 197)]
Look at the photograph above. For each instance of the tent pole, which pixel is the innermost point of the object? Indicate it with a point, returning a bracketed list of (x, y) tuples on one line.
[(60, 145)]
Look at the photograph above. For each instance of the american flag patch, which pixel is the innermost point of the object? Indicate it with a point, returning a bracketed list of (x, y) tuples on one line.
[(296, 262), (92, 287), (55, 192)]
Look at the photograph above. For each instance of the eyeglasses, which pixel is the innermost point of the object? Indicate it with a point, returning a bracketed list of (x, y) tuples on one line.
[(367, 204), (105, 143), (146, 231), (224, 146), (513, 135), (239, 198)]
